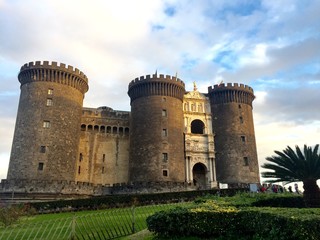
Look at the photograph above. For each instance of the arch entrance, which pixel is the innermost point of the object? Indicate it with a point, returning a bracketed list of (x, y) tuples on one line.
[(199, 172)]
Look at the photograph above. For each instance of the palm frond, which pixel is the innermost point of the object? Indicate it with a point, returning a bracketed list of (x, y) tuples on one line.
[(291, 165)]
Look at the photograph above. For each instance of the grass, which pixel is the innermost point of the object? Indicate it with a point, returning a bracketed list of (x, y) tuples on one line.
[(110, 223), (98, 224)]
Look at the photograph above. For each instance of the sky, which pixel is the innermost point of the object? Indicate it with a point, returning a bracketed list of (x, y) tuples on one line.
[(271, 45)]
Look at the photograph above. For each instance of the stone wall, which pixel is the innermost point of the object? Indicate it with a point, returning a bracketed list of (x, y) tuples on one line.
[(232, 121), (104, 146), (156, 130), (46, 138)]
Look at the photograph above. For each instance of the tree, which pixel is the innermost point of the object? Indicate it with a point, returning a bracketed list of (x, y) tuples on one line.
[(295, 166)]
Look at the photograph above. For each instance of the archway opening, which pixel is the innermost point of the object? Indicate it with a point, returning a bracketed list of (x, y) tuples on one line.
[(199, 172), (197, 127)]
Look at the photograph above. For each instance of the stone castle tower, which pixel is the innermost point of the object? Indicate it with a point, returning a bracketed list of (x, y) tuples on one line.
[(232, 121), (172, 140), (46, 138), (156, 137)]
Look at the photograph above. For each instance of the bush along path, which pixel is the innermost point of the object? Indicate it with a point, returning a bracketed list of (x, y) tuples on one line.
[(213, 218)]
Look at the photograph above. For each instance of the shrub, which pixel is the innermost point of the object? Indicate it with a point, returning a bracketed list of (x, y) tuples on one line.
[(113, 201), (207, 218), (285, 201), (11, 214), (196, 221)]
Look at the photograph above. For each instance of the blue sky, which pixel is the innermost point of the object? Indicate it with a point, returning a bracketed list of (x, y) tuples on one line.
[(271, 45)]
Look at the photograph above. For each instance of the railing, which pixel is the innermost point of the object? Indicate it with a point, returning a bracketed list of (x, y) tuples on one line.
[(103, 224)]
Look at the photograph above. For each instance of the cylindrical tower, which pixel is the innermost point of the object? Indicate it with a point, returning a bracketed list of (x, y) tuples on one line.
[(235, 144), (156, 129), (47, 131)]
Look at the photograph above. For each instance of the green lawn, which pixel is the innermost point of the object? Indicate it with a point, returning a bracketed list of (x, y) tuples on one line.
[(97, 224)]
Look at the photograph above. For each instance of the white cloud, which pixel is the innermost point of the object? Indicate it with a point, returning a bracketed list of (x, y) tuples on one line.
[(273, 48)]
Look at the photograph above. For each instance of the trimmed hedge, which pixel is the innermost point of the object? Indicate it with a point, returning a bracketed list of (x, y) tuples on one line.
[(250, 223), (285, 202), (113, 201)]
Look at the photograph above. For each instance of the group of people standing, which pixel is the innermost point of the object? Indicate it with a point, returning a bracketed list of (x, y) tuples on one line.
[(278, 188), (296, 188)]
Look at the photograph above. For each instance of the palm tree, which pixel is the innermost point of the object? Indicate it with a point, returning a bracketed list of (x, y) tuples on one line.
[(294, 166)]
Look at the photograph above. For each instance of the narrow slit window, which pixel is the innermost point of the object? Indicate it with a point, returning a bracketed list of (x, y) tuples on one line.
[(241, 119), (80, 157), (46, 124), (49, 102), (164, 132), (165, 157), (79, 170), (246, 161), (164, 112), (103, 157), (40, 166), (43, 149), (165, 173), (102, 170)]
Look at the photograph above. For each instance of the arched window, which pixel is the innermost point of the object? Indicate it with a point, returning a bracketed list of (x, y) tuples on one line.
[(126, 131), (83, 127), (197, 127)]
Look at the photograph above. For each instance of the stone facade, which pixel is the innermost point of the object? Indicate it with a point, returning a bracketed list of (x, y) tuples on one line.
[(199, 140), (236, 153), (172, 140)]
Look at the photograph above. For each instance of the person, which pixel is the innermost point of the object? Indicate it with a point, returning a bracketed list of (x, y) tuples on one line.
[(290, 189), (263, 189), (296, 188)]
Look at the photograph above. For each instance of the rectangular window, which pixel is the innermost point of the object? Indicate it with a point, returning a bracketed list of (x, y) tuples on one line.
[(164, 112), (165, 157), (102, 170), (49, 102), (164, 133), (246, 161), (43, 149), (50, 91), (46, 124), (40, 166), (243, 138), (165, 173)]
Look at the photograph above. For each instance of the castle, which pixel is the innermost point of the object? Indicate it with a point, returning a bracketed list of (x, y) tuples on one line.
[(171, 139)]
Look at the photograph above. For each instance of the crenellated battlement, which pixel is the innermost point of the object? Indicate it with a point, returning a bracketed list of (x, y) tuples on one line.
[(53, 72), (155, 77), (54, 65), (230, 86), (231, 92), (162, 85)]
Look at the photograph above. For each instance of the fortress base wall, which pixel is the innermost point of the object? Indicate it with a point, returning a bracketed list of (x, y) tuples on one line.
[(65, 188), (48, 187)]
